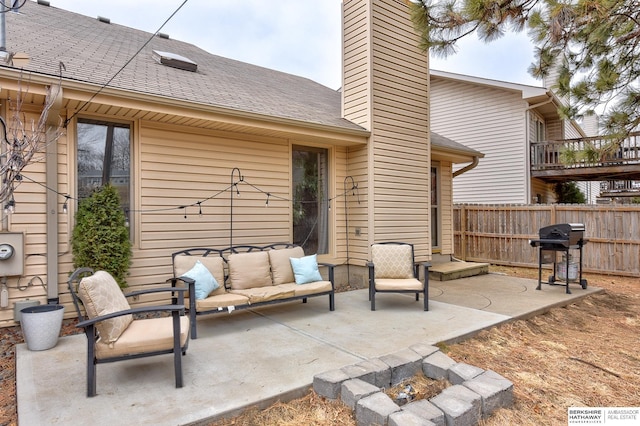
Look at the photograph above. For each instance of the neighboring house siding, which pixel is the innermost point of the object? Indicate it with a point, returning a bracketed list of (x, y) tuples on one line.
[(555, 129), (542, 192), (591, 190), (571, 131), (493, 122)]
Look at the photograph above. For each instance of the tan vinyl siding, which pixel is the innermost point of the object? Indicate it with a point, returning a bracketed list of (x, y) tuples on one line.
[(386, 90), (358, 248), (400, 141), (180, 167), (356, 90), (30, 217), (491, 121)]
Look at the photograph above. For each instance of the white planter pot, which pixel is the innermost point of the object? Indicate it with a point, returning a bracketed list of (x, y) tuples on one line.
[(41, 326)]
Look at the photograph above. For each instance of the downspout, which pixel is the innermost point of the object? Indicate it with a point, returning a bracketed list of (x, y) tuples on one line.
[(51, 176), (468, 167), (51, 167)]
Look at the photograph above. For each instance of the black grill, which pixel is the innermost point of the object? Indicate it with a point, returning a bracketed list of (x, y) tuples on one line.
[(561, 237)]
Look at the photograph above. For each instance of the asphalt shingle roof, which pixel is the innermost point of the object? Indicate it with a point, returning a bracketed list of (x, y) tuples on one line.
[(93, 52)]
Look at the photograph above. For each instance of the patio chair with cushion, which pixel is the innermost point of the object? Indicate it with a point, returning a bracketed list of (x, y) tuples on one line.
[(116, 332), (393, 270)]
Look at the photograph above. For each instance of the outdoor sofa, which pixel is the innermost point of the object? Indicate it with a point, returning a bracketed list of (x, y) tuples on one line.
[(248, 276)]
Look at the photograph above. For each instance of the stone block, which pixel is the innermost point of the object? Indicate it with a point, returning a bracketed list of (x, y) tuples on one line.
[(407, 418), (375, 410), (361, 371), (404, 364), (461, 372), (381, 372), (423, 349), (461, 406), (495, 390), (329, 383), (436, 365), (355, 389), (426, 410)]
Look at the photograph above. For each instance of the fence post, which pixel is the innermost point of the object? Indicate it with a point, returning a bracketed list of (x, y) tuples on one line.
[(463, 234)]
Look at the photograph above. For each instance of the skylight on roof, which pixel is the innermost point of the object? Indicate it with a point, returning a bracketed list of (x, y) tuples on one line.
[(174, 60)]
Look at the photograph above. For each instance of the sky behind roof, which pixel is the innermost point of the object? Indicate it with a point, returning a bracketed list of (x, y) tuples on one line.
[(301, 37)]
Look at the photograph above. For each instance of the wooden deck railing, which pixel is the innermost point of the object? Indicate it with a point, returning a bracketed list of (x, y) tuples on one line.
[(616, 187), (585, 152), (500, 234)]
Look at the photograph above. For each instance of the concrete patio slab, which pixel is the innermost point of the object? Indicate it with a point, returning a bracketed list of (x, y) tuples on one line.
[(255, 357)]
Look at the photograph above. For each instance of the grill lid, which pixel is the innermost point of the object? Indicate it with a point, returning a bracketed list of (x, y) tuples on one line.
[(561, 230), (560, 236), (576, 226)]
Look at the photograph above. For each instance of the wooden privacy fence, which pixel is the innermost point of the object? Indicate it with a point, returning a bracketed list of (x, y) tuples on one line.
[(500, 234)]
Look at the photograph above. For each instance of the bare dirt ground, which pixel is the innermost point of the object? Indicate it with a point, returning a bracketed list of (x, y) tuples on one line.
[(583, 355)]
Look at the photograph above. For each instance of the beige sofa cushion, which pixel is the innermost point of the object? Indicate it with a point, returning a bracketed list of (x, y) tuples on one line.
[(221, 301), (398, 284), (183, 263), (145, 335), (249, 270), (101, 295), (264, 294), (307, 289), (281, 270), (392, 261)]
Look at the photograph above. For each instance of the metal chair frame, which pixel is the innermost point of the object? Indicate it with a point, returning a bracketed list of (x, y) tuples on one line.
[(416, 273), (176, 309)]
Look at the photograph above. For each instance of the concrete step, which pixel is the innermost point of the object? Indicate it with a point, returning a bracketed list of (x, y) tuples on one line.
[(445, 271)]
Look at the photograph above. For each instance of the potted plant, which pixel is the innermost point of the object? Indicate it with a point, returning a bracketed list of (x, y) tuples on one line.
[(100, 238)]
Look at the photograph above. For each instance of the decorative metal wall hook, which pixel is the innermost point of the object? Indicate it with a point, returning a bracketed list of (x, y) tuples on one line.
[(354, 186)]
